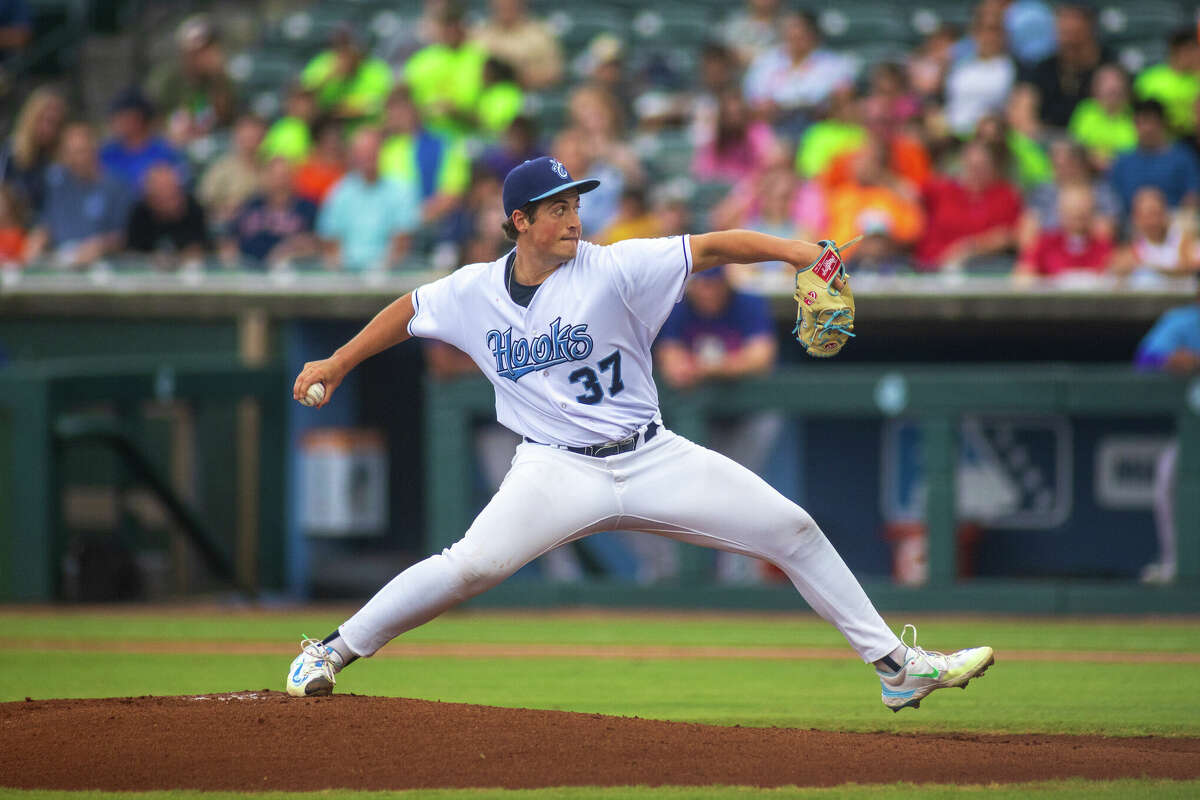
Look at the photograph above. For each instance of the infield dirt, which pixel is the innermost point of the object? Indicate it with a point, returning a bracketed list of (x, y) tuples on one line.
[(266, 740)]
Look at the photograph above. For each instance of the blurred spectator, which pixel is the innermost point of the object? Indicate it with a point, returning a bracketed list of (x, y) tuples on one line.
[(969, 217), (906, 154), (438, 165), (526, 44), (1103, 123), (446, 78), (752, 29), (134, 147), (518, 145), (980, 83), (275, 225), (604, 64), (1074, 244), (167, 223), (13, 229), (878, 203), (736, 145), (500, 101), (1159, 245), (1157, 161), (572, 147), (838, 133), (408, 38), (634, 219), (790, 83), (889, 87), (1071, 168), (594, 112), (1172, 345), (1176, 83), (367, 221), (929, 63), (291, 135), (235, 176), (1030, 27), (1062, 80), (326, 162), (474, 226), (1025, 161), (718, 334), (717, 74), (16, 29), (33, 146), (347, 82), (195, 92), (83, 218)]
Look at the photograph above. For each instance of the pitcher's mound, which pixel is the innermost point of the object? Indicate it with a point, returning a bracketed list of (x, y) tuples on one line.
[(266, 740)]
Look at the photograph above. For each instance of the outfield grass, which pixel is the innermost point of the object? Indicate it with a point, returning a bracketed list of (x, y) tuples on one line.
[(1015, 696), (757, 630), (1160, 790)]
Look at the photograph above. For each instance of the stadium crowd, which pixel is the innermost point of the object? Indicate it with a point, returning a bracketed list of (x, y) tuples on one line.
[(1018, 144)]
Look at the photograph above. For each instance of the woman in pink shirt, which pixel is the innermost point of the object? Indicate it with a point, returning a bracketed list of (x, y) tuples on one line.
[(736, 146)]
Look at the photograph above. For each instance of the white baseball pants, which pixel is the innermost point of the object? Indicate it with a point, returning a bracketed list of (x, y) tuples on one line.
[(667, 486)]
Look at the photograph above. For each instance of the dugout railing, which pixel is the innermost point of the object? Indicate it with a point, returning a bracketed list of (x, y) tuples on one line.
[(936, 396)]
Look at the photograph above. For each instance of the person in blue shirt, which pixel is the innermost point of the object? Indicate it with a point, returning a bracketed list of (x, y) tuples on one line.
[(720, 334), (1173, 345), (134, 147), (367, 220), (1158, 161), (85, 209), (273, 226)]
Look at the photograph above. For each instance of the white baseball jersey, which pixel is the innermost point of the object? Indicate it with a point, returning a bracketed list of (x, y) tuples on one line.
[(574, 367)]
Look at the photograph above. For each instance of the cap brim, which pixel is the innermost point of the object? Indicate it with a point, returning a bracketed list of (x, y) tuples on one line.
[(583, 187)]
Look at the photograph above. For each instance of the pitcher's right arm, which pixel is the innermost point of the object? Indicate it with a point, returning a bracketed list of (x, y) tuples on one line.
[(387, 329)]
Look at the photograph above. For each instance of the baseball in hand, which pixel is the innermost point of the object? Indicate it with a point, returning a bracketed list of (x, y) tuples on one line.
[(315, 394)]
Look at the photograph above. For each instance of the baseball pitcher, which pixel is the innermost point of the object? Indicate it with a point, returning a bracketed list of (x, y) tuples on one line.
[(562, 328)]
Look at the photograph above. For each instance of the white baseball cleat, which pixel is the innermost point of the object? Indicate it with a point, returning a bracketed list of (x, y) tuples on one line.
[(927, 670), (312, 671)]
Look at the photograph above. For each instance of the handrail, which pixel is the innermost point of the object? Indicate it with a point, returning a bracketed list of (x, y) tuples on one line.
[(81, 429)]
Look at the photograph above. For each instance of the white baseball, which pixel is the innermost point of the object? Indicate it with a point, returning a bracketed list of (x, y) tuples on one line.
[(315, 394)]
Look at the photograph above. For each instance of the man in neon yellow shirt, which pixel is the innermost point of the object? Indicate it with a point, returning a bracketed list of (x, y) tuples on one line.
[(825, 140), (446, 78), (348, 83), (1175, 84), (1103, 123), (439, 165)]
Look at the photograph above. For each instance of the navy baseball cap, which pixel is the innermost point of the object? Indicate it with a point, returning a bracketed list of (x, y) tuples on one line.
[(538, 179)]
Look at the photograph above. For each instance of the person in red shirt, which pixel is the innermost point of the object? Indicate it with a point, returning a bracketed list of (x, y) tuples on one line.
[(1072, 247), (973, 216)]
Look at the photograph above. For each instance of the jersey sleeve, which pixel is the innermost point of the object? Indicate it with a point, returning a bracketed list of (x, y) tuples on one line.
[(436, 312), (650, 275)]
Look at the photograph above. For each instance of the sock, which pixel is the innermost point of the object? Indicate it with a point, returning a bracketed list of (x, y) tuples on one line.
[(893, 660), (337, 644)]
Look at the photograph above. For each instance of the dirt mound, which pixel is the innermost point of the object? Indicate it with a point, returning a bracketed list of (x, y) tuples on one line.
[(265, 740)]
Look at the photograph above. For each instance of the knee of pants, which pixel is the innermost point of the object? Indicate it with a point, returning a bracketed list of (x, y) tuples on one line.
[(475, 571), (799, 533)]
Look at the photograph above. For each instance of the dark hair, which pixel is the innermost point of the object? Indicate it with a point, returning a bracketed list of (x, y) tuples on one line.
[(1182, 38), (1150, 106), (530, 212)]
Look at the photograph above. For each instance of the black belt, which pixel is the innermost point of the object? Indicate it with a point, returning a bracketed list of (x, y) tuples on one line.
[(626, 445)]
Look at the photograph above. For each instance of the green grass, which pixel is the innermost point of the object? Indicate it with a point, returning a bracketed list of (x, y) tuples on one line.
[(782, 630), (1018, 696), (1160, 790)]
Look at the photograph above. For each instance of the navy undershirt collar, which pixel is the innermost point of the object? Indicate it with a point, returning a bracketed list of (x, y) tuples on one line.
[(521, 294)]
